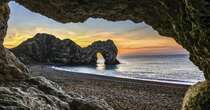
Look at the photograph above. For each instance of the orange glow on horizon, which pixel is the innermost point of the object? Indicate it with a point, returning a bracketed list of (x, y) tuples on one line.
[(131, 38), (126, 46)]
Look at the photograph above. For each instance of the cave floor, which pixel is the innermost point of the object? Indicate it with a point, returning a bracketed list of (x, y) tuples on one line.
[(122, 94)]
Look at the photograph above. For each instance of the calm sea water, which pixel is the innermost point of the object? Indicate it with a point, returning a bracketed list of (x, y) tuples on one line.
[(166, 68)]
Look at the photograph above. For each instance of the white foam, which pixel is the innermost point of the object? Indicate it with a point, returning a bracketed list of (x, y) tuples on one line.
[(181, 82)]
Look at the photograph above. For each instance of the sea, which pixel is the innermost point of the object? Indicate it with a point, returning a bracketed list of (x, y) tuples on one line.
[(176, 69)]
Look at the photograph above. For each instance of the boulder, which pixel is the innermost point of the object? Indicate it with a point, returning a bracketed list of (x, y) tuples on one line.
[(197, 97), (47, 49), (38, 93)]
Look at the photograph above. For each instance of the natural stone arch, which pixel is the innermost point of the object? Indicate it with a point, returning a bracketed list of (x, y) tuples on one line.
[(47, 49), (107, 49)]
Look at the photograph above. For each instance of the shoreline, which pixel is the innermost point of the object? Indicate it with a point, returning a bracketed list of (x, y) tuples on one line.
[(120, 93), (146, 81), (172, 82)]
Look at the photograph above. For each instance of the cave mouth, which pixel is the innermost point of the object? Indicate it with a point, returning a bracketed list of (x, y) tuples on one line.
[(130, 37), (174, 19), (184, 20)]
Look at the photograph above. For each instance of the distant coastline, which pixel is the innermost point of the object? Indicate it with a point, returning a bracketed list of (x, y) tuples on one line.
[(151, 55)]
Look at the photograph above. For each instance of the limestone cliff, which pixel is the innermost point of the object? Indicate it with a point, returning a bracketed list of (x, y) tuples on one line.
[(45, 48)]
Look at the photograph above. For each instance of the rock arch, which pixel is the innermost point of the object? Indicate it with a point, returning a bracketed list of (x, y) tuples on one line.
[(47, 49), (107, 49)]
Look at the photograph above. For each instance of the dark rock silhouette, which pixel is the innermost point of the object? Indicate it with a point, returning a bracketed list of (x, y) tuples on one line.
[(45, 48)]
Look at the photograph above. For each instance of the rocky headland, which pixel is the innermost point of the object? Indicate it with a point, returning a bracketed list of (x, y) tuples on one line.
[(47, 49)]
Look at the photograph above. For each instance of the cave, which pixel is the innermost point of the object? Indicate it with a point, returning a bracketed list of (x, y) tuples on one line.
[(187, 21)]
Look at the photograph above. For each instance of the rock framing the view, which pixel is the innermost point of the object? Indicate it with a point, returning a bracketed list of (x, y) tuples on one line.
[(20, 91), (47, 49), (38, 93), (10, 67), (197, 97), (187, 21)]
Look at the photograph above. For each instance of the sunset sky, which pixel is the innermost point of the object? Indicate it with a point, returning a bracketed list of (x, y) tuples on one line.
[(130, 38)]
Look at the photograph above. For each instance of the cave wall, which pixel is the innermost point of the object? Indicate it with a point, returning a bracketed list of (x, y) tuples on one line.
[(187, 21), (19, 91), (4, 16), (10, 67)]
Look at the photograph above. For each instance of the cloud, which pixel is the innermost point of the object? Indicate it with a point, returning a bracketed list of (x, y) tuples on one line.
[(71, 33), (149, 47)]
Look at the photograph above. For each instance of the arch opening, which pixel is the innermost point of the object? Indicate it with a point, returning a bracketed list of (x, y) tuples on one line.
[(100, 58)]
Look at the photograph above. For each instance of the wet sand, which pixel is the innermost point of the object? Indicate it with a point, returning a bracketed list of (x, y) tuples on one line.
[(122, 94)]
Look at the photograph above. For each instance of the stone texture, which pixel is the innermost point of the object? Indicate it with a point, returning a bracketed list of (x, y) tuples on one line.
[(18, 91), (197, 97), (187, 21), (4, 16), (10, 67), (38, 93), (45, 48)]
